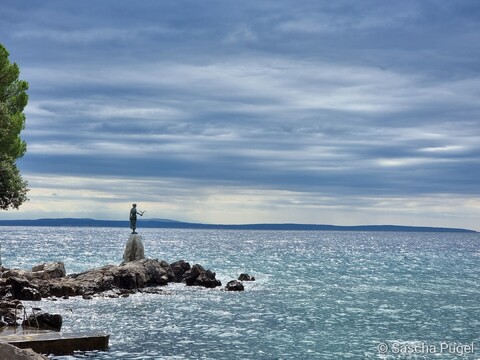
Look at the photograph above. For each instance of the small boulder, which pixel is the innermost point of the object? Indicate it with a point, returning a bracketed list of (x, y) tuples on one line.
[(246, 277), (44, 321), (234, 285)]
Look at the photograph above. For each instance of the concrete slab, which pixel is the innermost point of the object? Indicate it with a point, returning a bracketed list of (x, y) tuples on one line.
[(58, 343)]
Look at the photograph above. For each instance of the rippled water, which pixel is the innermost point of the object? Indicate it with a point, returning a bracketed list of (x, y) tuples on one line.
[(318, 295)]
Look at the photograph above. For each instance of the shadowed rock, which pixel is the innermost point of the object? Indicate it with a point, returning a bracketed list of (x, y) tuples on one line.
[(234, 285), (198, 276), (49, 279), (179, 268), (22, 289), (8, 313), (44, 321), (246, 277)]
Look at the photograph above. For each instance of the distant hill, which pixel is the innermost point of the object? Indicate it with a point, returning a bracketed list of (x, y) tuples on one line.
[(173, 224)]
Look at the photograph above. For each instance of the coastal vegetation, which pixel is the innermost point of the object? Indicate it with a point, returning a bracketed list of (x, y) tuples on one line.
[(13, 99)]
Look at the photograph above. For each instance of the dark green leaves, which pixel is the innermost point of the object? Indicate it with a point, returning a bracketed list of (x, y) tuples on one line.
[(13, 99)]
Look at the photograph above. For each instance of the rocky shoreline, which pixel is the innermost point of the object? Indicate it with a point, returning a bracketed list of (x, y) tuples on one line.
[(50, 281)]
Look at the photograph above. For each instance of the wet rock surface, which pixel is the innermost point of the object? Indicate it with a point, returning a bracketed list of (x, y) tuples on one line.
[(246, 277), (9, 311), (234, 285), (111, 281), (198, 276), (49, 280), (44, 321)]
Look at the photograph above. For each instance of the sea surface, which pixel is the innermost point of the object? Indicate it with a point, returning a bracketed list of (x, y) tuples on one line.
[(317, 295)]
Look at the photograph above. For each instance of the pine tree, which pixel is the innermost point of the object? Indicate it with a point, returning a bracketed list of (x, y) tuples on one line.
[(13, 99)]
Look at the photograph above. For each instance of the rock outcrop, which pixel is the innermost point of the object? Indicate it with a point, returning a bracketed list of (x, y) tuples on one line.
[(134, 249), (198, 276), (179, 268), (49, 271), (44, 271), (132, 275), (49, 280), (11, 352), (20, 289), (234, 285)]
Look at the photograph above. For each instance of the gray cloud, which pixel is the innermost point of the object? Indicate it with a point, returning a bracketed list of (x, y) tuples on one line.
[(343, 102)]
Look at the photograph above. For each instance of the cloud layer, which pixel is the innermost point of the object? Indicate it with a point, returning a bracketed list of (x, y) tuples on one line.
[(346, 112)]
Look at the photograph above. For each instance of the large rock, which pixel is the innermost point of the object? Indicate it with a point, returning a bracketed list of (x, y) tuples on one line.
[(49, 270), (43, 271), (134, 249), (48, 279), (198, 276), (140, 273), (179, 268), (22, 289), (44, 321), (132, 275), (10, 352)]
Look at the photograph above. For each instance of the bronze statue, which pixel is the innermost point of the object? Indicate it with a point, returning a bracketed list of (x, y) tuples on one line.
[(133, 218)]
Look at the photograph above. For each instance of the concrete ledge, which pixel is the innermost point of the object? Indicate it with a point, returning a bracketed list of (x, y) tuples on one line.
[(58, 343)]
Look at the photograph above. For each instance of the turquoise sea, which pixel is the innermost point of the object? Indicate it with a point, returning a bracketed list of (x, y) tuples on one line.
[(318, 295)]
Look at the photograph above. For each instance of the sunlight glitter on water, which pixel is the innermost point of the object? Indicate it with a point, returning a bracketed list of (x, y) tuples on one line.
[(327, 295)]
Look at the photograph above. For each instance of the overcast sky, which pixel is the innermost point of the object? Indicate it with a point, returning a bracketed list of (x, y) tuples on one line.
[(338, 112)]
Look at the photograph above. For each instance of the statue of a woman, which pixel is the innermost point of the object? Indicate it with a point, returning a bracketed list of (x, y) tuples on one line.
[(133, 218)]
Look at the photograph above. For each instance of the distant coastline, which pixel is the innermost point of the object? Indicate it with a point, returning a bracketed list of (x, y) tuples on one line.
[(172, 224)]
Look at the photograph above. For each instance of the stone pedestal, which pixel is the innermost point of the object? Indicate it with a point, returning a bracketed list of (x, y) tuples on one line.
[(134, 249)]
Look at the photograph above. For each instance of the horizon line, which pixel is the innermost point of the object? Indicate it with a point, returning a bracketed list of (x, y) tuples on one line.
[(169, 223)]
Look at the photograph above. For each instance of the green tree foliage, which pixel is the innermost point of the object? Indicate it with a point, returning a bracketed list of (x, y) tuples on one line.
[(13, 99)]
